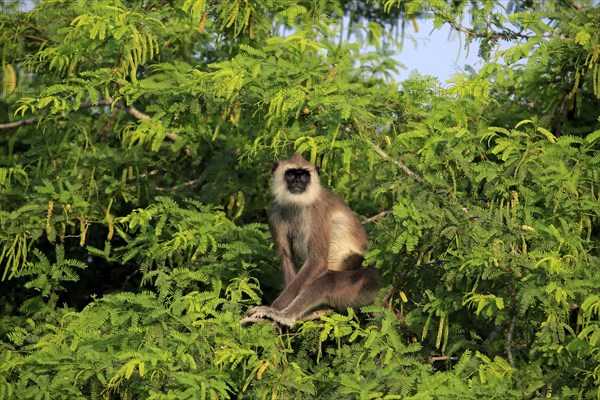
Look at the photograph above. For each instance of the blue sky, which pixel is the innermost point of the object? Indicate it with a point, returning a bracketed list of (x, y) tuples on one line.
[(439, 52)]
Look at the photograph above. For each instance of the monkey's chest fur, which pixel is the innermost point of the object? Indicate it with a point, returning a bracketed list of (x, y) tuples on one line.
[(334, 235)]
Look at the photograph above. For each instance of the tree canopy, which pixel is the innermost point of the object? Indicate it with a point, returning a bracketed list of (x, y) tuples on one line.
[(136, 139)]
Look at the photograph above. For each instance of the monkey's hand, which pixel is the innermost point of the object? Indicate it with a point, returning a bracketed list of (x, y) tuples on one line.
[(264, 312)]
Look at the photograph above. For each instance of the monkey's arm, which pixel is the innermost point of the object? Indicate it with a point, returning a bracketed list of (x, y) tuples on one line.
[(284, 249), (313, 267)]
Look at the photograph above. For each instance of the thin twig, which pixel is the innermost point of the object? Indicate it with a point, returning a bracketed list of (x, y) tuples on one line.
[(181, 185), (492, 335), (399, 164), (508, 346), (385, 302), (39, 39), (377, 216), (499, 36), (442, 358)]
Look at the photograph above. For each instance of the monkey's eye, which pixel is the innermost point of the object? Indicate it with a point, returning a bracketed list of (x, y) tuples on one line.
[(289, 175), (300, 175)]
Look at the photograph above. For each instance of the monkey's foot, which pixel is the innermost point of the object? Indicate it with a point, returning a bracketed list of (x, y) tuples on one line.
[(264, 312)]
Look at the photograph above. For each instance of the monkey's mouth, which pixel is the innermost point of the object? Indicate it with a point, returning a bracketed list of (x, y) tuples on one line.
[(296, 190)]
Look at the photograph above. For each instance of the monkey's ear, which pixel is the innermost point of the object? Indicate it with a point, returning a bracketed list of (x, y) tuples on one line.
[(318, 170), (274, 167)]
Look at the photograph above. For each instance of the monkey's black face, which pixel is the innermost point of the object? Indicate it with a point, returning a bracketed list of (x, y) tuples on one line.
[(297, 180)]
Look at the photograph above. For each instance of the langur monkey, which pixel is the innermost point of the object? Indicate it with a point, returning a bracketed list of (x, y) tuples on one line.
[(311, 225)]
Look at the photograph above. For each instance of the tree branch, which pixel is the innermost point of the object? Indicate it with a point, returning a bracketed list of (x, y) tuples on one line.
[(16, 124), (134, 112), (137, 114), (30, 121)]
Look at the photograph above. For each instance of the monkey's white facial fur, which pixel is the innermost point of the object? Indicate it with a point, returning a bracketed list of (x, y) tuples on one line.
[(296, 182)]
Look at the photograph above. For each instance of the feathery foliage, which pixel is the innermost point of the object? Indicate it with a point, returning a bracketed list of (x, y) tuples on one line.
[(134, 156)]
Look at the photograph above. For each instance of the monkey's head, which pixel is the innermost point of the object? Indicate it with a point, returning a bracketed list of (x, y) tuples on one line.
[(296, 181)]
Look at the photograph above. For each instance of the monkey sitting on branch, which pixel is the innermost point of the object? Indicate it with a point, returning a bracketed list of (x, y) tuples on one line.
[(312, 225)]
